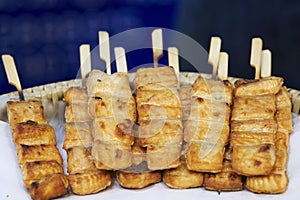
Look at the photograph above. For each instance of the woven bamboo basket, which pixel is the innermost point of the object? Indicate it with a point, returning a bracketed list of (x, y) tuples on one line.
[(51, 95)]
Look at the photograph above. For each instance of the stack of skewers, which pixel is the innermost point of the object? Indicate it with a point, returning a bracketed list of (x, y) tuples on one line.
[(84, 177), (210, 134)]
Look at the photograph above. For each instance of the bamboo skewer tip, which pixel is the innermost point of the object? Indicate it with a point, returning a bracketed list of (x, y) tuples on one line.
[(104, 49), (121, 62), (223, 66), (85, 61), (213, 55), (157, 45), (12, 74), (255, 58), (266, 63), (173, 58)]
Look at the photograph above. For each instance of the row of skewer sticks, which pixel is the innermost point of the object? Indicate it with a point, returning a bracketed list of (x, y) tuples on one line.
[(260, 59)]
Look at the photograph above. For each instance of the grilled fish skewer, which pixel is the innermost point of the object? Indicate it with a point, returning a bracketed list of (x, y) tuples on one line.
[(38, 156)]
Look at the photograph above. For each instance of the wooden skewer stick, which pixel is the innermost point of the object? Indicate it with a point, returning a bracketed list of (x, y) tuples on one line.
[(174, 60), (85, 61), (104, 49), (266, 63), (12, 74), (223, 66), (121, 62), (213, 55), (157, 46), (255, 60)]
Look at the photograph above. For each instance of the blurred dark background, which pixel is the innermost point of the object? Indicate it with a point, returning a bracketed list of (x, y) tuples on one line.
[(44, 35)]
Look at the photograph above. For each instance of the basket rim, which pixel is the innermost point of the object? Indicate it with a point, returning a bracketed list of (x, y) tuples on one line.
[(55, 91)]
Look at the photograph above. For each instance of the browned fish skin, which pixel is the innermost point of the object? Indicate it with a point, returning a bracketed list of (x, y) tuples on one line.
[(89, 183), (277, 181), (138, 180), (113, 111), (77, 112), (50, 187), (163, 76), (182, 178), (114, 107), (207, 128), (34, 171), (216, 91), (40, 160), (226, 180), (32, 133), (77, 134), (75, 95), (254, 126), (23, 111), (84, 178), (160, 116), (109, 130), (264, 86), (38, 153)]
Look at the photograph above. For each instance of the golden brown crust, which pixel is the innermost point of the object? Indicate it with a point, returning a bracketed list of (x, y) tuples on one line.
[(100, 84), (113, 106), (164, 76), (160, 132), (154, 97), (114, 156), (251, 138), (281, 161), (253, 159), (226, 180), (255, 126), (277, 181), (209, 131), (34, 171), (271, 184), (50, 187), (282, 140), (77, 134), (75, 95), (253, 107), (89, 183), (138, 180), (38, 153), (99, 165), (77, 113), (283, 98), (205, 157), (209, 89), (40, 160), (32, 133), (163, 157), (112, 131), (80, 160), (284, 119), (150, 112), (182, 178), (263, 86), (23, 111), (202, 109)]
